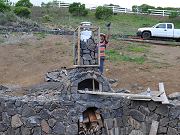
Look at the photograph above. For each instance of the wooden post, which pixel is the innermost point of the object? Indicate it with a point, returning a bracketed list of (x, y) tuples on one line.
[(79, 46), (98, 46), (93, 85)]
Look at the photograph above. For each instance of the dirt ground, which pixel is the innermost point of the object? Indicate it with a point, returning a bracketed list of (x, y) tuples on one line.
[(26, 62)]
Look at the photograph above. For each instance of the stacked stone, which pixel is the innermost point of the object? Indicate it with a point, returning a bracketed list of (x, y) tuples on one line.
[(32, 115), (88, 53), (72, 77), (42, 112), (138, 116)]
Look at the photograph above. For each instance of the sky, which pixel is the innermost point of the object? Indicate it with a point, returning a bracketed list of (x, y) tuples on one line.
[(122, 3)]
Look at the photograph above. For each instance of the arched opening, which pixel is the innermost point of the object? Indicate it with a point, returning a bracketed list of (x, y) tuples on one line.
[(90, 122), (89, 84)]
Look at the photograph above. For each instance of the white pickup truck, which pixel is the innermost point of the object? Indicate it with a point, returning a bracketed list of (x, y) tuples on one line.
[(163, 30)]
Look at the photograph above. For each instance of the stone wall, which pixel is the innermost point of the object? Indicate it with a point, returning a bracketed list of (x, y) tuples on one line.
[(88, 53), (74, 76), (50, 109)]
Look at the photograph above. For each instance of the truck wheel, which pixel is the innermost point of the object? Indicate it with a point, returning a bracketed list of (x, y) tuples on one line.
[(146, 35), (178, 40)]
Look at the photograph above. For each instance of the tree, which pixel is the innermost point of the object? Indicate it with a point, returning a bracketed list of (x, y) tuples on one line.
[(103, 12), (135, 8), (78, 9), (173, 15), (160, 8), (144, 8), (4, 6), (22, 8), (22, 11), (24, 3)]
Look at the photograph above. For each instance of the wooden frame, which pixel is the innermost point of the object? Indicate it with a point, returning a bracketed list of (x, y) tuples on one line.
[(76, 46)]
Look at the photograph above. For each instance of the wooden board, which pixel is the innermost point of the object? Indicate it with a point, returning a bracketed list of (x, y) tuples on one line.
[(153, 93), (78, 46), (129, 96), (154, 128), (163, 96), (157, 99)]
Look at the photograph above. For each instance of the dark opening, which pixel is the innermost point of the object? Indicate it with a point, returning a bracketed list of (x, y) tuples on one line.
[(91, 122), (90, 84)]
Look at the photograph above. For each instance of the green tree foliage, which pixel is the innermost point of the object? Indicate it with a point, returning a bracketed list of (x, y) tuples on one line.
[(103, 12), (173, 15), (22, 8), (78, 9), (22, 11), (47, 18), (4, 5), (24, 3), (144, 8), (159, 8), (135, 8)]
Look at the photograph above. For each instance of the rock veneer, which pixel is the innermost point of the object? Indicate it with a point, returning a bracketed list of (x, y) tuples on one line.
[(88, 53), (59, 115), (54, 108)]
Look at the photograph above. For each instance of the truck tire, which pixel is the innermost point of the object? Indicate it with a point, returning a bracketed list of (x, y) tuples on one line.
[(146, 35), (178, 40)]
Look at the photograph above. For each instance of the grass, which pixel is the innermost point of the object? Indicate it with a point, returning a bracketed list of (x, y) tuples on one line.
[(137, 49), (114, 55), (122, 24), (58, 43), (1, 40), (40, 35)]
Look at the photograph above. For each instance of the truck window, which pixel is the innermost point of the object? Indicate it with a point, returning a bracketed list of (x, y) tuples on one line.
[(169, 26), (161, 26)]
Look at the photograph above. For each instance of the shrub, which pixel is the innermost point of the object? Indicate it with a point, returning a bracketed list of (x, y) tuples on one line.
[(22, 11), (47, 18), (144, 8), (24, 3), (11, 17), (103, 12), (78, 9), (7, 18), (173, 15), (4, 6)]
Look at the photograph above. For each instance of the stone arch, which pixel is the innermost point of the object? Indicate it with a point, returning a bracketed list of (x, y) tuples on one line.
[(90, 122), (90, 84)]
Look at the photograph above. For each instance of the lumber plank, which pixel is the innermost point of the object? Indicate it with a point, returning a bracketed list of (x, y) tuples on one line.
[(154, 128), (163, 96), (129, 96), (157, 99)]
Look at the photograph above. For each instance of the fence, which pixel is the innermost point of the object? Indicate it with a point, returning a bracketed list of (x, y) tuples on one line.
[(162, 12), (59, 4), (118, 9)]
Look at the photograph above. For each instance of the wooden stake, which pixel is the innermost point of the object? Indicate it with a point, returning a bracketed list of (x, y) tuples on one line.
[(93, 85), (79, 45)]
